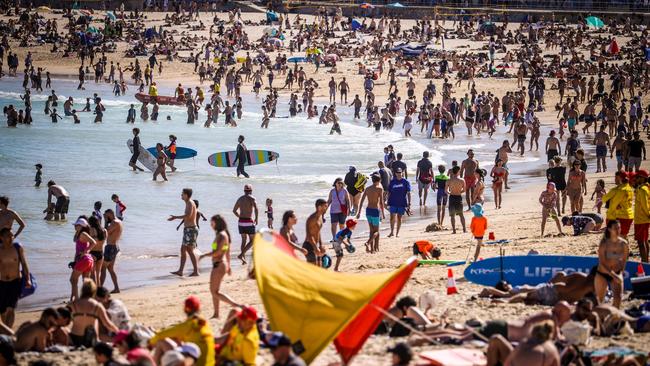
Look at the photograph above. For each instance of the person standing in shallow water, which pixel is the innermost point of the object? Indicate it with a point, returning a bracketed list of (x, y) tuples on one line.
[(190, 233)]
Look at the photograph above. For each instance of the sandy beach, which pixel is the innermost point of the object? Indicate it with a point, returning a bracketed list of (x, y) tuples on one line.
[(518, 220)]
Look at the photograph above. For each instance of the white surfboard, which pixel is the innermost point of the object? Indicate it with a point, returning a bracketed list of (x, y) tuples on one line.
[(145, 158)]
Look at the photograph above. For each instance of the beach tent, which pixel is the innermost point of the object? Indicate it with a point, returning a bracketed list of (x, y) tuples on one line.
[(594, 22), (395, 5), (355, 24), (314, 306)]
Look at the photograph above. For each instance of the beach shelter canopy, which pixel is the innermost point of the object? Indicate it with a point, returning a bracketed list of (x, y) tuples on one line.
[(395, 5), (594, 22), (313, 306)]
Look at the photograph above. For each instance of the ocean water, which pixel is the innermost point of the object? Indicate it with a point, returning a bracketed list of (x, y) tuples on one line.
[(91, 161)]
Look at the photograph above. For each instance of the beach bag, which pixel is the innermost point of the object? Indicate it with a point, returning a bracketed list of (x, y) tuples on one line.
[(344, 207), (360, 184), (25, 291)]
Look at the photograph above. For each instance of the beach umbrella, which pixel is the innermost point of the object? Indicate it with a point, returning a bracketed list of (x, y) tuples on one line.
[(395, 5), (594, 22), (314, 306), (367, 6)]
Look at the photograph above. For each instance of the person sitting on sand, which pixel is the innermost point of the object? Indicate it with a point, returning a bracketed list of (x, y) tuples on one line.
[(241, 344), (34, 336), (87, 313), (116, 310), (195, 329), (539, 349)]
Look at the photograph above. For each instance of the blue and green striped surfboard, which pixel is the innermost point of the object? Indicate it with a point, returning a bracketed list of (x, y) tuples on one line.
[(225, 159)]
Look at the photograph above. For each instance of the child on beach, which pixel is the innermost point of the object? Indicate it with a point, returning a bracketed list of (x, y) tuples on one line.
[(55, 116), (119, 206), (549, 201), (97, 212), (269, 212), (478, 226), (599, 191), (39, 175), (646, 123), (49, 212), (75, 117), (426, 249), (342, 239)]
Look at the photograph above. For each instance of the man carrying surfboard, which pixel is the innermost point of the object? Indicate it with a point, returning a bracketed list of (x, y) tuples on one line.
[(136, 151), (240, 157)]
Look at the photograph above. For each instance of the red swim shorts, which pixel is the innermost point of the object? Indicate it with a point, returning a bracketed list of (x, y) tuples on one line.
[(641, 232), (625, 226)]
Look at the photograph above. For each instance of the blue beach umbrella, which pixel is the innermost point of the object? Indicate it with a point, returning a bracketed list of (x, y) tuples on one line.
[(594, 22)]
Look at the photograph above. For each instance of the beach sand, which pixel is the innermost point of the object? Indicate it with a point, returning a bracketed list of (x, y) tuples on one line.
[(518, 221)]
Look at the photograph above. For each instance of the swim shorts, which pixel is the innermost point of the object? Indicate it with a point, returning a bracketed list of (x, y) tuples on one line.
[(470, 180), (338, 249), (98, 255), (62, 204), (641, 232), (572, 123), (441, 198), (338, 217), (311, 254), (601, 151), (110, 252), (372, 215), (397, 210), (190, 234), (246, 226), (550, 154), (455, 205), (625, 226), (493, 327), (10, 291)]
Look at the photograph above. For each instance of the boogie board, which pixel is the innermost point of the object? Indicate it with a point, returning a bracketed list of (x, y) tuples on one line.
[(297, 59), (225, 159), (181, 152), (145, 158), (455, 357), (536, 269)]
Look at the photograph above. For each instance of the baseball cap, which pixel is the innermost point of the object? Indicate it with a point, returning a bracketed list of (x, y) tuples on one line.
[(643, 173), (81, 222), (172, 358), (247, 313), (279, 339), (120, 336), (192, 304), (190, 349)]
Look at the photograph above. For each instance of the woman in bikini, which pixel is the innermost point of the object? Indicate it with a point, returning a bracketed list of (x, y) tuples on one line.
[(86, 315), (220, 262), (289, 220), (613, 252), (576, 186), (97, 251), (83, 261), (479, 187), (499, 175)]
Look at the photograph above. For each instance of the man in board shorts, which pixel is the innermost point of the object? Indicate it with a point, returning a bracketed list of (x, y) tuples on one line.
[(244, 209)]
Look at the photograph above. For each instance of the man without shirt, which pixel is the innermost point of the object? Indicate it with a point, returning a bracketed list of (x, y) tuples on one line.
[(375, 209), (12, 260), (190, 233), (114, 229), (553, 147), (313, 243), (455, 188), (601, 140), (424, 177), (244, 209), (8, 216), (62, 200), (467, 169)]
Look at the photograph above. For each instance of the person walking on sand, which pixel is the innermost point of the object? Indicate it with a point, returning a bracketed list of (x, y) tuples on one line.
[(136, 150), (241, 157), (467, 169), (8, 216), (548, 199), (455, 188), (399, 201), (339, 205), (190, 233), (313, 241), (220, 254), (374, 211), (13, 266), (424, 177), (244, 209), (114, 229)]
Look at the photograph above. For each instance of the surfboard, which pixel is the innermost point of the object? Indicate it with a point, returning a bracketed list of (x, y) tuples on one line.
[(145, 158), (536, 269), (455, 357), (225, 158), (181, 152), (437, 261)]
